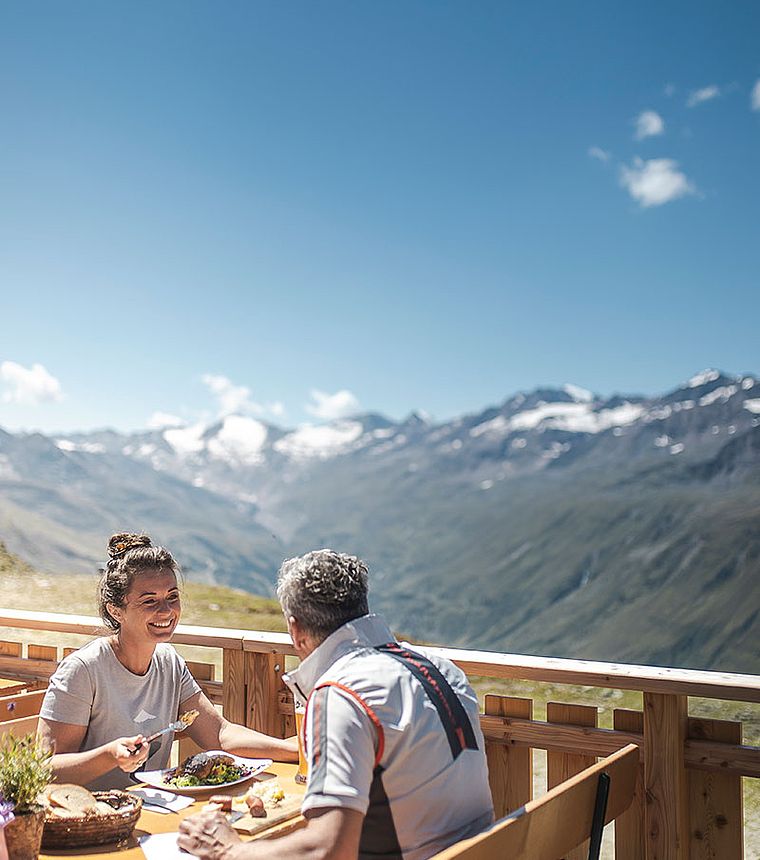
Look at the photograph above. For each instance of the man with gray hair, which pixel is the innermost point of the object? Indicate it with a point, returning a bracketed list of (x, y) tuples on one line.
[(397, 767)]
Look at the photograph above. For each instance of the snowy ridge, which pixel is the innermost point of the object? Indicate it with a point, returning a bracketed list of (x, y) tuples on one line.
[(198, 451)]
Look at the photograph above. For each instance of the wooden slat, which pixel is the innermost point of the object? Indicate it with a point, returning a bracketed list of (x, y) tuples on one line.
[(214, 691), (547, 828), (559, 738), (616, 676), (510, 769), (629, 827), (233, 679), (263, 674), (699, 755), (723, 758), (715, 800), (667, 799), (90, 625), (24, 668), (21, 705), (11, 649), (201, 671), (42, 652), (20, 728), (562, 766)]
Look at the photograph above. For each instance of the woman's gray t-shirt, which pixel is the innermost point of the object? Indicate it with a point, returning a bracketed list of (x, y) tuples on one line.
[(92, 688)]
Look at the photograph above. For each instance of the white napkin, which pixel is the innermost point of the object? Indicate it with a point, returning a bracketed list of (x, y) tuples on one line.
[(162, 801), (162, 846)]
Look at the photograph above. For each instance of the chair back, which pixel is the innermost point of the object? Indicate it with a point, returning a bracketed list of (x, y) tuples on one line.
[(19, 714), (549, 827)]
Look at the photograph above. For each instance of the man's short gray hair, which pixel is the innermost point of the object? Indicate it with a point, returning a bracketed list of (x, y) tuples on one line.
[(323, 590)]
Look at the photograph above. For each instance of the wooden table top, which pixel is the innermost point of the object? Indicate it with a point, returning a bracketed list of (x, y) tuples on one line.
[(156, 822), (9, 686)]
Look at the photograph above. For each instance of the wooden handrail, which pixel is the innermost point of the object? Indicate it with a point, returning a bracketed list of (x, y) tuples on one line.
[(618, 676)]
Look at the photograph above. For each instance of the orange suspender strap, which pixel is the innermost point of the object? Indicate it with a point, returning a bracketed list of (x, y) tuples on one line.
[(365, 707)]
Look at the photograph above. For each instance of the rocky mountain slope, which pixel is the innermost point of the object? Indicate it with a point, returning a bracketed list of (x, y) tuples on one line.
[(558, 522)]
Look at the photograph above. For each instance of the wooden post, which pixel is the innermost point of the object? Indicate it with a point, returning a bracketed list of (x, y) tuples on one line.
[(665, 785), (629, 827), (262, 676), (510, 769), (561, 766), (233, 691), (716, 828)]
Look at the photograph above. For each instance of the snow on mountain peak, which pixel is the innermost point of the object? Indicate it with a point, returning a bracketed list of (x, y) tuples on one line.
[(571, 417), (240, 439), (186, 440), (709, 375), (578, 394), (87, 447), (320, 441)]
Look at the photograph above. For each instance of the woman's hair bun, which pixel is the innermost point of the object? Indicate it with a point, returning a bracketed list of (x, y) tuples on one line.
[(124, 542)]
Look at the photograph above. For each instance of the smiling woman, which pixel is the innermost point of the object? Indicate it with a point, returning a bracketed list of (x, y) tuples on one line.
[(107, 697)]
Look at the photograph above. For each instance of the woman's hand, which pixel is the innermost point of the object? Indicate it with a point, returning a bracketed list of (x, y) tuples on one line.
[(208, 835), (129, 753)]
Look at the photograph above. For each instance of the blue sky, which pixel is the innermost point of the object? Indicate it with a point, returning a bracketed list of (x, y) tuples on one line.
[(396, 205)]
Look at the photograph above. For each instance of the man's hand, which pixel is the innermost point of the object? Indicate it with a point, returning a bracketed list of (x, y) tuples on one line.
[(208, 835), (129, 753)]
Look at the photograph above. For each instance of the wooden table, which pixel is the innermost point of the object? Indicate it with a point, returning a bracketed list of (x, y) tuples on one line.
[(11, 686), (156, 822)]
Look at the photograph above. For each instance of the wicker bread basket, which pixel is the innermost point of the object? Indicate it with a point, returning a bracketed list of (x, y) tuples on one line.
[(95, 829)]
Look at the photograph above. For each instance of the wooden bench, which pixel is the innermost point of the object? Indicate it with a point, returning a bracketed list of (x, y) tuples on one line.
[(553, 825), (19, 714)]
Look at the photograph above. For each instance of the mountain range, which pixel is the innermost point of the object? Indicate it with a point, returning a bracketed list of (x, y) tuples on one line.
[(558, 522)]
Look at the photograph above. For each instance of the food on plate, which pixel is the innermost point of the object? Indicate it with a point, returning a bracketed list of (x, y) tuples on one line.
[(203, 769), (223, 801)]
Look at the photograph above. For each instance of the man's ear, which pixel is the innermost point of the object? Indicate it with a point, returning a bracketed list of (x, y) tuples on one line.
[(114, 611), (296, 631)]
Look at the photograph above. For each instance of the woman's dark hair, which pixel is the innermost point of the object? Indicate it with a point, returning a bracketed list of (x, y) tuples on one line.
[(129, 556)]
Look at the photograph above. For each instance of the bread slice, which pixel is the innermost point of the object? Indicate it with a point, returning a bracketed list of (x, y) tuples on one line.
[(73, 798), (58, 812)]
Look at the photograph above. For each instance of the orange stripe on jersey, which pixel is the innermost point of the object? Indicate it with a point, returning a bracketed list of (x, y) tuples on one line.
[(370, 713)]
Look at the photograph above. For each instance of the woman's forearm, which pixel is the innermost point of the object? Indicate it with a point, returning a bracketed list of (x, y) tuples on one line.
[(82, 767), (242, 741)]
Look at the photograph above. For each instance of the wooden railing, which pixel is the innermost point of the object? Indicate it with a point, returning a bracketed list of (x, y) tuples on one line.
[(688, 801)]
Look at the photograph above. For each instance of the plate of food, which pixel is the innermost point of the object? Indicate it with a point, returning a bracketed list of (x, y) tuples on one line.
[(205, 771)]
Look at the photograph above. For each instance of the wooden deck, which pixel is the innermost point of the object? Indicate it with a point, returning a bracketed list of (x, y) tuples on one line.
[(688, 800)]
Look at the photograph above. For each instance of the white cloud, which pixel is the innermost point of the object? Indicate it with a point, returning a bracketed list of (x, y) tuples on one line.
[(328, 407), (755, 96), (669, 90), (237, 398), (231, 397), (159, 420), (28, 385), (706, 94), (649, 124), (599, 153), (654, 182)]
